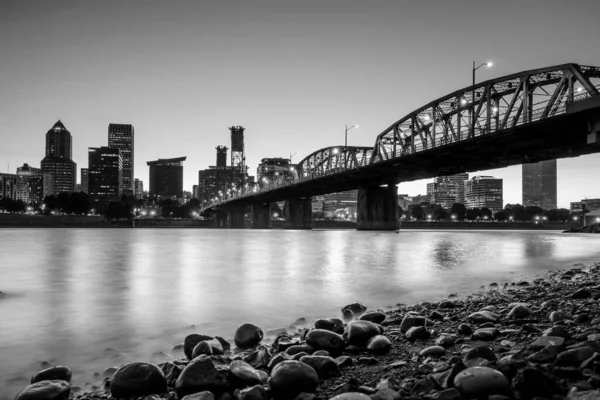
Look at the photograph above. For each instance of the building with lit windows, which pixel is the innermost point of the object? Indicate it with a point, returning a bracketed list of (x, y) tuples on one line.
[(138, 188), (484, 191), (166, 178), (105, 171), (340, 203), (32, 184), (271, 169), (58, 161), (447, 190), (85, 180), (539, 184), (121, 136), (591, 204), (8, 186)]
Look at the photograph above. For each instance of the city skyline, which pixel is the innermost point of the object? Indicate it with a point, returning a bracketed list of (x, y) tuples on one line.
[(293, 76)]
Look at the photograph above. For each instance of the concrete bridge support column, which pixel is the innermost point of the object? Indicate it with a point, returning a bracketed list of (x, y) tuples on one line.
[(261, 216), (377, 208), (235, 217), (220, 219), (298, 213)]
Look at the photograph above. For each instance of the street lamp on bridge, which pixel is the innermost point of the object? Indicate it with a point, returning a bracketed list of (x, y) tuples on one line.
[(346, 136), (485, 64)]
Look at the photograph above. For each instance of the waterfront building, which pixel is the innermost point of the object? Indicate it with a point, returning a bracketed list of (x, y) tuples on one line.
[(539, 184), (484, 191), (592, 217), (591, 204), (58, 161), (447, 189), (138, 188), (121, 136), (32, 184), (85, 181), (421, 199), (576, 207), (404, 200), (105, 173), (8, 186), (166, 177), (272, 169), (317, 203), (340, 203), (220, 180)]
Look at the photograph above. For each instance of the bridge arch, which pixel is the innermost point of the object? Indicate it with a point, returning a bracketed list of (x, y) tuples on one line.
[(490, 106), (333, 159)]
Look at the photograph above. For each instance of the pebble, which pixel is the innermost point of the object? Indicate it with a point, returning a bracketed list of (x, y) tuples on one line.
[(480, 317), (325, 367), (544, 341), (248, 336), (373, 316), (519, 311), (556, 316), (202, 373), (417, 333), (379, 344), (359, 332), (486, 334), (329, 341), (433, 351), (58, 373), (290, 378), (243, 374), (138, 379)]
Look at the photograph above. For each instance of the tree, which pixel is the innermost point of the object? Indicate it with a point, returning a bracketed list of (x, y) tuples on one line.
[(118, 210), (459, 210), (501, 215), (416, 211), (439, 213)]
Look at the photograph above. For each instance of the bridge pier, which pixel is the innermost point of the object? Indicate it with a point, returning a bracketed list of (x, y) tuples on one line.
[(220, 219), (298, 213), (377, 208), (235, 217), (261, 216)]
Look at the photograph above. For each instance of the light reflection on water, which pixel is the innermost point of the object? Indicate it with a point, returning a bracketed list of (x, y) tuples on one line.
[(74, 292)]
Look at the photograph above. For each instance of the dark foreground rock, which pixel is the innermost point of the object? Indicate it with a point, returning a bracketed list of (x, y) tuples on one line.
[(537, 339)]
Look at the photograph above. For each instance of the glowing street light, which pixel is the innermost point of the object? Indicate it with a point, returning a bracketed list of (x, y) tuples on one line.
[(485, 64), (346, 135), (335, 151)]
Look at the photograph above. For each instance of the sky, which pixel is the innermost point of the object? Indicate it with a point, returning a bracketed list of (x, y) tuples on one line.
[(293, 73)]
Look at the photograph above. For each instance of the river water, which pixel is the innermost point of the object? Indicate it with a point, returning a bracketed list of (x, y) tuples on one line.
[(72, 293)]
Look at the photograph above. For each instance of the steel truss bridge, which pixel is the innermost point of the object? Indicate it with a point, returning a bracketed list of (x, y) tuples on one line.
[(526, 117)]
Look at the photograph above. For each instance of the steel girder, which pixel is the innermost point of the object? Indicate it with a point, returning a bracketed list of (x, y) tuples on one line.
[(490, 106), (332, 160)]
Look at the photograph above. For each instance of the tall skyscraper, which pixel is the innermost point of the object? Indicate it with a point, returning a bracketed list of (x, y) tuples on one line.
[(539, 184), (105, 173), (58, 161), (166, 177), (121, 136), (85, 180), (484, 191), (447, 190), (238, 158)]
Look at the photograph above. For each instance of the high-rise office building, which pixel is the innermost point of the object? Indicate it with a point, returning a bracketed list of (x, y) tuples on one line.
[(271, 169), (85, 180), (58, 161), (539, 184), (121, 136), (8, 186), (344, 202), (238, 158), (447, 190), (139, 188), (166, 177), (484, 191), (32, 184), (105, 173)]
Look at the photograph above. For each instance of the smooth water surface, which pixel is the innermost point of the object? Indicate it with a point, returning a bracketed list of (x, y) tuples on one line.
[(71, 293)]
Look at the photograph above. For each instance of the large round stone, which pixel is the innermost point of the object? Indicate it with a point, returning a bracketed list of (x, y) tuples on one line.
[(46, 390), (480, 317), (373, 316), (325, 366), (58, 373), (322, 339), (138, 379), (433, 351), (333, 324), (519, 311), (202, 373), (290, 378), (379, 344), (243, 375), (248, 336), (478, 382), (191, 341), (351, 396), (203, 347), (359, 332), (355, 308)]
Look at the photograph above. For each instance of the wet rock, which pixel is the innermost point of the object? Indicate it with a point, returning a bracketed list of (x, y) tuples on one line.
[(558, 331), (544, 341), (480, 317), (583, 395), (325, 367), (290, 378), (574, 356), (332, 324), (243, 375), (546, 355), (447, 304), (581, 294), (433, 351), (357, 309), (359, 332), (450, 394), (280, 357), (191, 341), (445, 341), (351, 396), (436, 316), (532, 382), (257, 392), (109, 372), (322, 339), (202, 373), (484, 352), (58, 373), (171, 371), (409, 321), (417, 333), (205, 395), (138, 379), (344, 361), (373, 316), (424, 386), (367, 361), (260, 357), (247, 336), (445, 379), (46, 390), (202, 348), (379, 344), (519, 311), (486, 334), (300, 348), (386, 394), (556, 316), (477, 382), (465, 329)]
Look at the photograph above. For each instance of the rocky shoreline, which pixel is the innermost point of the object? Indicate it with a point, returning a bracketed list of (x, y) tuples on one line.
[(525, 340)]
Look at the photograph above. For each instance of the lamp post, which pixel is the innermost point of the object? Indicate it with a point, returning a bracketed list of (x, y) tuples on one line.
[(485, 64), (346, 136)]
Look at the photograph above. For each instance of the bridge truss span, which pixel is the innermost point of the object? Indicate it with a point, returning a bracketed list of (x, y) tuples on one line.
[(334, 159), (488, 107)]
